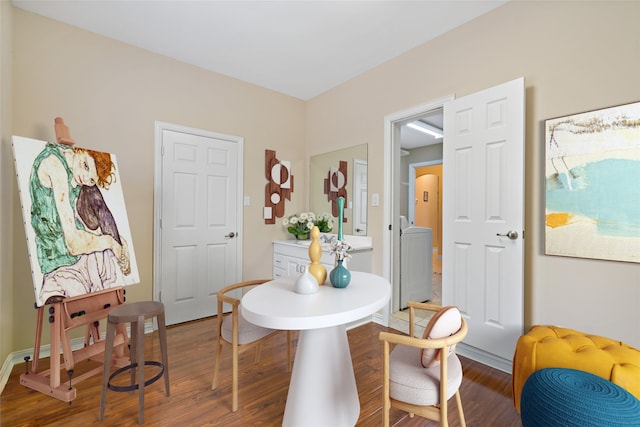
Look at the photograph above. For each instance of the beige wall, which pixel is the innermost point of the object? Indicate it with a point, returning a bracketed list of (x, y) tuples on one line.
[(575, 56), (109, 95), (6, 183)]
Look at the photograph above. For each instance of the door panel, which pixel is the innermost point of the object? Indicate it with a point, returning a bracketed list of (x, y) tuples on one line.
[(484, 199), (199, 212)]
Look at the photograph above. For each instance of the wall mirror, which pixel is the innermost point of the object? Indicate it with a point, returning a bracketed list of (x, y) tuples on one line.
[(326, 170)]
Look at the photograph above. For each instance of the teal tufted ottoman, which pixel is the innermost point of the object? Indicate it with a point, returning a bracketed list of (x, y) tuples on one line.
[(568, 397)]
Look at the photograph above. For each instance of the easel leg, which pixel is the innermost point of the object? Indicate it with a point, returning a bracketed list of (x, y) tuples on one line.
[(36, 347), (56, 331)]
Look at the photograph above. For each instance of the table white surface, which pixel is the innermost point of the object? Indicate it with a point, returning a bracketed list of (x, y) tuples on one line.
[(322, 391)]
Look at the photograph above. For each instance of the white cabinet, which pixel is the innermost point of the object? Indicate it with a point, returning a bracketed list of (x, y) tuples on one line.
[(292, 258)]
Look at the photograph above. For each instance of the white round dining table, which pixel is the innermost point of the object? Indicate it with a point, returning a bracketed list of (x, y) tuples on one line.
[(322, 390)]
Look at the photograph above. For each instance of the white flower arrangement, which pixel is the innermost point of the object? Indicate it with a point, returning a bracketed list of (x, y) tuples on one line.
[(341, 250), (324, 222), (304, 222)]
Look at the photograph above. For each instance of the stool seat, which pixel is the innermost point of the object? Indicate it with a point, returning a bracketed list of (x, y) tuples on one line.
[(135, 313), (568, 397), (127, 313)]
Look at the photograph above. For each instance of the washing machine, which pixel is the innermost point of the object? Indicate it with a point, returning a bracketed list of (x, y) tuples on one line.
[(416, 264)]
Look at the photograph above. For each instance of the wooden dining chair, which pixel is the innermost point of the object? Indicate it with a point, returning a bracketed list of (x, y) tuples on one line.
[(422, 374), (240, 334)]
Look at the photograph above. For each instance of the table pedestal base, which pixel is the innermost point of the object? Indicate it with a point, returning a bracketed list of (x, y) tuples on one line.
[(322, 391)]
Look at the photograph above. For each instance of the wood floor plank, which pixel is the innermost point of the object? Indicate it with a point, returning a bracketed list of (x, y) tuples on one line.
[(486, 392)]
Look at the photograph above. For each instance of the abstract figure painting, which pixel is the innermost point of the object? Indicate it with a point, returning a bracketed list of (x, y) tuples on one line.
[(75, 219), (593, 184)]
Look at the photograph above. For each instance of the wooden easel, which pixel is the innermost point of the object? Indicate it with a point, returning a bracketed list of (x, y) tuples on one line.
[(68, 314), (64, 316)]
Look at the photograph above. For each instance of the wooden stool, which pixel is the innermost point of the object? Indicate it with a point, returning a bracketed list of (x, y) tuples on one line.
[(135, 313)]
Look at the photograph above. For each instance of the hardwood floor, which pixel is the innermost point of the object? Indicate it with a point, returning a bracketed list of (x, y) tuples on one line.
[(486, 393)]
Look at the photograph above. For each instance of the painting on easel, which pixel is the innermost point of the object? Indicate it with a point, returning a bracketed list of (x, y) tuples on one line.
[(75, 219)]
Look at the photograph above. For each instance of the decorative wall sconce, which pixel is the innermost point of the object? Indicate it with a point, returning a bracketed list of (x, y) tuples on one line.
[(335, 185), (278, 188)]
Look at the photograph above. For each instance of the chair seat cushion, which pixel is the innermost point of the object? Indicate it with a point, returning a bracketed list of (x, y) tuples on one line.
[(247, 331), (410, 382)]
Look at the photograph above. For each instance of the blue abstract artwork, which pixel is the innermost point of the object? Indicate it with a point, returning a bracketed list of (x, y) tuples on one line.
[(592, 184)]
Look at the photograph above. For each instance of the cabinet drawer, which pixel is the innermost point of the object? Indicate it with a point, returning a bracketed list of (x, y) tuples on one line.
[(279, 272), (279, 261)]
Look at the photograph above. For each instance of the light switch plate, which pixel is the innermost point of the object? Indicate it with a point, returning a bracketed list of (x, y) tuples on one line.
[(375, 199), (267, 212)]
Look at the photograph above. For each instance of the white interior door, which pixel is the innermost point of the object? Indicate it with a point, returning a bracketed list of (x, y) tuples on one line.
[(200, 217), (483, 218), (360, 197)]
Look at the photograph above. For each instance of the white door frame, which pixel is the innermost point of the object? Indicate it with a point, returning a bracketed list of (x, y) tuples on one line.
[(411, 214), (390, 245), (157, 199)]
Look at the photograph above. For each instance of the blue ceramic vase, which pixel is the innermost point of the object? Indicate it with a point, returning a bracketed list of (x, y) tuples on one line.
[(340, 276)]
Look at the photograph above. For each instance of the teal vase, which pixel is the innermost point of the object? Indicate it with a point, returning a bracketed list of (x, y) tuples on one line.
[(340, 276)]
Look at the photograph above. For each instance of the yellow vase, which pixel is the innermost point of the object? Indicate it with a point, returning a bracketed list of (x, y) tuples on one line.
[(316, 269)]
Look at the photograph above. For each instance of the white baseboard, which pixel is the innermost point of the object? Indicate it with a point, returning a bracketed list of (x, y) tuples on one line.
[(485, 358), (17, 357), (5, 372), (378, 318)]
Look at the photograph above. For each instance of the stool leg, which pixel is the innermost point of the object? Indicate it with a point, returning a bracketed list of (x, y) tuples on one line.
[(162, 332), (140, 361), (133, 355), (108, 348)]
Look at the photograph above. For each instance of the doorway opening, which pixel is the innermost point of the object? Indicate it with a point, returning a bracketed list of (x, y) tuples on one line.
[(425, 183), (407, 151)]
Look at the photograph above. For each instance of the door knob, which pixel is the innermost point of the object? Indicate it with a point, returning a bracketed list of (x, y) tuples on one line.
[(513, 235), (232, 235)]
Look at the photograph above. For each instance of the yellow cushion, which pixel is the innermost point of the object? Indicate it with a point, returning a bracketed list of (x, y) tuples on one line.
[(555, 347)]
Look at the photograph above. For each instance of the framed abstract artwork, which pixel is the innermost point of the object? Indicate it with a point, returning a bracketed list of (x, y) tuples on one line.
[(592, 184), (78, 234)]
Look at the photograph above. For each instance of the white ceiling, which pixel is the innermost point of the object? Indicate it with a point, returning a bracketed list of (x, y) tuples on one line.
[(298, 48)]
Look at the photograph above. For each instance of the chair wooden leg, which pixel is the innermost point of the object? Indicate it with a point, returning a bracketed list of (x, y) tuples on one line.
[(460, 411), (214, 382), (386, 403), (234, 378), (444, 419)]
